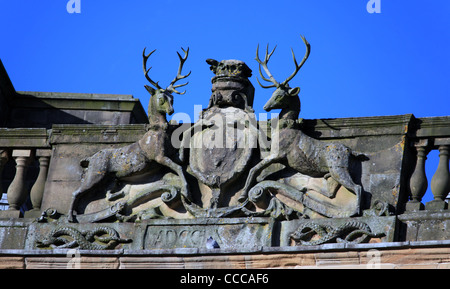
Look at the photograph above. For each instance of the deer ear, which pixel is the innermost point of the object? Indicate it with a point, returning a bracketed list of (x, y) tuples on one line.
[(294, 91), (150, 89)]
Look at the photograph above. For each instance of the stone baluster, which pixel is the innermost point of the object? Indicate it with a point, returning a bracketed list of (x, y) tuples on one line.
[(17, 191), (3, 160), (418, 183), (37, 191), (440, 183)]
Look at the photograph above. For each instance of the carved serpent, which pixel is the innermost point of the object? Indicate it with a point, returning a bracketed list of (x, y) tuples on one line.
[(350, 232), (84, 240)]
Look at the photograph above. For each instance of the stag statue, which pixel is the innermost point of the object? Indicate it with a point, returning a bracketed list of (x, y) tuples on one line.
[(147, 154), (295, 149)]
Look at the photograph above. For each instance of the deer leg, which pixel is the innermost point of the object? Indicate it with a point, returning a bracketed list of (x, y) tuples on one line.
[(255, 171), (95, 173), (165, 161), (342, 176), (337, 158)]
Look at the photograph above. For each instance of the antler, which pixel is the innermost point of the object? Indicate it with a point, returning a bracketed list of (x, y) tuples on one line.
[(297, 67), (146, 57), (266, 69), (172, 87)]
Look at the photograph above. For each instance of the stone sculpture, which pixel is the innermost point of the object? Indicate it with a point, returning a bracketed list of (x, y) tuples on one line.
[(101, 238), (143, 156), (350, 232), (223, 141), (305, 182), (295, 149), (221, 154)]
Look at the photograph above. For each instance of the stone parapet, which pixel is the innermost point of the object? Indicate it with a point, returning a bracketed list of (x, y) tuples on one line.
[(394, 255)]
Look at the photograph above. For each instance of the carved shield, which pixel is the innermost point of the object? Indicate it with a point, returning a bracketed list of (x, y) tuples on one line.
[(222, 145)]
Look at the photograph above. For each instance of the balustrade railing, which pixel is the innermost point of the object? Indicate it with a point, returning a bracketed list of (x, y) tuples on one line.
[(24, 162), (26, 154), (19, 190), (432, 134)]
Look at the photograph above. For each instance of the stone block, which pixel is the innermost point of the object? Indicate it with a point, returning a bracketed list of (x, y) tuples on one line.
[(414, 206), (239, 233), (43, 152), (383, 229), (416, 256), (337, 258), (8, 262), (22, 153), (72, 263), (261, 261), (215, 262), (32, 214), (10, 214), (13, 234), (436, 205), (156, 262)]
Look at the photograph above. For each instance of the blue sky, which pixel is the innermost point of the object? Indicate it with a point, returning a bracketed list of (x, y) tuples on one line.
[(361, 64)]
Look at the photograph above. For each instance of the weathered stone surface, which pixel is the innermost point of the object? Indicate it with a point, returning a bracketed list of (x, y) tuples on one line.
[(144, 262), (308, 205), (24, 137), (53, 236), (229, 233), (72, 143), (7, 262), (72, 262), (13, 234), (42, 109), (426, 225), (381, 229), (337, 258), (370, 256)]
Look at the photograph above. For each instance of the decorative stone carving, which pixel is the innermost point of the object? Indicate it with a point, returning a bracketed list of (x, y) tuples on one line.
[(143, 156), (351, 232), (101, 238), (297, 150), (245, 184), (222, 157), (230, 86)]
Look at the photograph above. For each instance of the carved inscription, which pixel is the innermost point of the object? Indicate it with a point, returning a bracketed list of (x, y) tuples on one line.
[(238, 233), (176, 238)]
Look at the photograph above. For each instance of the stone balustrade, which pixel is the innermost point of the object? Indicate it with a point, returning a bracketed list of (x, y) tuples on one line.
[(19, 190), (26, 155), (432, 134), (24, 163)]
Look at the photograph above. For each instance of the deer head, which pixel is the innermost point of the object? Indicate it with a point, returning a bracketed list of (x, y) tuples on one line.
[(161, 100), (284, 96)]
